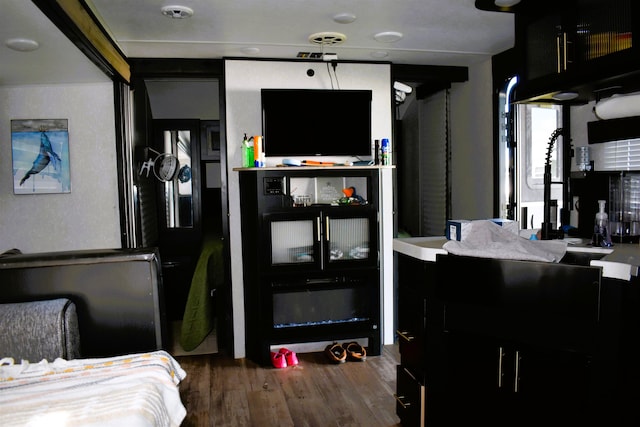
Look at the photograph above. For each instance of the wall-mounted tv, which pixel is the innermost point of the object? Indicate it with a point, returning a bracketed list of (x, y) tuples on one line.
[(316, 122)]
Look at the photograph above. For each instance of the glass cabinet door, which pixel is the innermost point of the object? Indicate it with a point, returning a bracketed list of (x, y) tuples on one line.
[(293, 240), (349, 238), (321, 239)]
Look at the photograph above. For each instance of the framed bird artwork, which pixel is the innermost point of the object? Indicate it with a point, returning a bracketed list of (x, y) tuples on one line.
[(40, 156)]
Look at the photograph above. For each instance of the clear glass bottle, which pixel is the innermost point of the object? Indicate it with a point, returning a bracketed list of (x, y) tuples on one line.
[(601, 231)]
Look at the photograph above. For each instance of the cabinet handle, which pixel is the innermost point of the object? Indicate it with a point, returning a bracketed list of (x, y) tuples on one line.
[(516, 381), (318, 228), (404, 405), (327, 228), (405, 336), (558, 57), (564, 51), (500, 360)]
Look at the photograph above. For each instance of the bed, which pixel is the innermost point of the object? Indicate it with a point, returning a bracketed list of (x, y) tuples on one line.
[(139, 389)]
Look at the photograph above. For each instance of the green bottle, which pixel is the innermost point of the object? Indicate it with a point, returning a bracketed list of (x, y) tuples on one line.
[(247, 152)]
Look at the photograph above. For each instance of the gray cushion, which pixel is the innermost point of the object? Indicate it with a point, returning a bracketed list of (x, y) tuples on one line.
[(39, 330)]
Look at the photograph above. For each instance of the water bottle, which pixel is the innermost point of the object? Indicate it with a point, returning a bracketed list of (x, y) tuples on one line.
[(384, 153)]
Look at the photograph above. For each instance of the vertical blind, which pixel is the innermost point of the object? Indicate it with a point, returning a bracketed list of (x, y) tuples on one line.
[(434, 158)]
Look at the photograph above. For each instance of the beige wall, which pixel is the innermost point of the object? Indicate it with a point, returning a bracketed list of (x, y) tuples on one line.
[(472, 145), (243, 81), (86, 218)]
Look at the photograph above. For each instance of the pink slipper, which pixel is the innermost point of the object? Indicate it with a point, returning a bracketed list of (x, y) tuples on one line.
[(290, 356), (278, 360)]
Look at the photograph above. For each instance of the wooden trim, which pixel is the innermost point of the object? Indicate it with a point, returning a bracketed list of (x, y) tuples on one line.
[(86, 24), (77, 22)]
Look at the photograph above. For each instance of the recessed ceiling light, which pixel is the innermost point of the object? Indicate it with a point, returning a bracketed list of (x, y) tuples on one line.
[(22, 45), (388, 36), (506, 3), (379, 54), (250, 50), (177, 12), (564, 96), (344, 18)]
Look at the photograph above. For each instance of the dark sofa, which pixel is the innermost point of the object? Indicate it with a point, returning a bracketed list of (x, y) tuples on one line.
[(117, 294)]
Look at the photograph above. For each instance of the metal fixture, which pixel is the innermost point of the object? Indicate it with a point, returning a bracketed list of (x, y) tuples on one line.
[(177, 12), (547, 231)]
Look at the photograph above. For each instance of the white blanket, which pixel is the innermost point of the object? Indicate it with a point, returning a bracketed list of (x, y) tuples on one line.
[(486, 239), (131, 390)]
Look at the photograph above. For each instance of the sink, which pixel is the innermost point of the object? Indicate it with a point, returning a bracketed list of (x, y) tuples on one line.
[(581, 258)]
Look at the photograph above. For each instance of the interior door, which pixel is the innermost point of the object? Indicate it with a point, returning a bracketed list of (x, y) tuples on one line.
[(178, 203)]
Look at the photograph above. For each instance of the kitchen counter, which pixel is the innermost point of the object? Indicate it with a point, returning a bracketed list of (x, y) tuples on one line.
[(622, 261)]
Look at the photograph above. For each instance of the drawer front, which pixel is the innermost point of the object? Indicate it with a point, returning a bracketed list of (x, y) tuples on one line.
[(410, 399)]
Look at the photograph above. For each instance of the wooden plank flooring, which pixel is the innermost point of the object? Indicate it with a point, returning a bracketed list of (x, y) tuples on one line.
[(221, 391)]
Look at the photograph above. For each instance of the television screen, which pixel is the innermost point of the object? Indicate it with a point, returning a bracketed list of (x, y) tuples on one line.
[(316, 122)]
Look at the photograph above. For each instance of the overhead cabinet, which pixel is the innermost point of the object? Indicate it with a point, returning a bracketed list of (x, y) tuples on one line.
[(576, 45)]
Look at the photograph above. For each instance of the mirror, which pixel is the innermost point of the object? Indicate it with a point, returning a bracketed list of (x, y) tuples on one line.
[(178, 191)]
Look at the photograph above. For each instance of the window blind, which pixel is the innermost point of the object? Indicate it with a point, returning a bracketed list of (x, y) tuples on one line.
[(620, 155)]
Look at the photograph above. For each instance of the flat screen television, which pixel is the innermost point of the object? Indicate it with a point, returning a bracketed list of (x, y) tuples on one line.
[(316, 122)]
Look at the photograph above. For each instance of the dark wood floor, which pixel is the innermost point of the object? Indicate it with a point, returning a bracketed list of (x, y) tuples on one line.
[(222, 391)]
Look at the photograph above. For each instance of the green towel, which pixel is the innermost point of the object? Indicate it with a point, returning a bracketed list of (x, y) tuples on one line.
[(198, 318)]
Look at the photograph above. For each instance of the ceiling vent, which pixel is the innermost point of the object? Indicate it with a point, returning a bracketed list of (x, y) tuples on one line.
[(327, 38)]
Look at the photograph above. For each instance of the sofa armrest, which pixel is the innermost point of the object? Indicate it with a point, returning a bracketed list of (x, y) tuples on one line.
[(37, 330)]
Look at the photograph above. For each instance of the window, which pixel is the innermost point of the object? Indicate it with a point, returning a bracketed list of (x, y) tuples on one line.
[(536, 123), (525, 138)]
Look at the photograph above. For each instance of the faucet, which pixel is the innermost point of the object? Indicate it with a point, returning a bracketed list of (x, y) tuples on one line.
[(546, 231)]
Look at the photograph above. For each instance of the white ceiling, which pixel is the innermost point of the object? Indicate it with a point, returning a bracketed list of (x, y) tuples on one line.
[(435, 32)]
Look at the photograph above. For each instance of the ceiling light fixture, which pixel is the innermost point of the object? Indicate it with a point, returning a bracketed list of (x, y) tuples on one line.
[(22, 45), (506, 3), (344, 18), (564, 96), (510, 6), (388, 36), (250, 50), (379, 54), (177, 12)]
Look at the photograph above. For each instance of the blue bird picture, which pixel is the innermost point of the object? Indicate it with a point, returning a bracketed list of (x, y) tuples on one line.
[(40, 150)]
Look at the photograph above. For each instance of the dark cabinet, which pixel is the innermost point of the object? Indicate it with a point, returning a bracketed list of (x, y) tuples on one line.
[(497, 380), (504, 341), (572, 43), (310, 257), (419, 336)]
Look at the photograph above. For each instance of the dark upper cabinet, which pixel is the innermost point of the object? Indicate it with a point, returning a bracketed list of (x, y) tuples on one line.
[(582, 46)]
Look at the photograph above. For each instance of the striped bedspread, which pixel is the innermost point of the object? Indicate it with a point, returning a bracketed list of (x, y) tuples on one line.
[(131, 390)]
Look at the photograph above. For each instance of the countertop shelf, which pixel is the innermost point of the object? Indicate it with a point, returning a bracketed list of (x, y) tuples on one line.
[(622, 261)]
